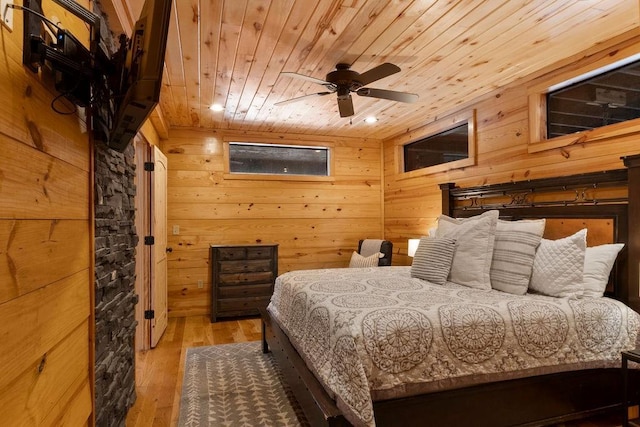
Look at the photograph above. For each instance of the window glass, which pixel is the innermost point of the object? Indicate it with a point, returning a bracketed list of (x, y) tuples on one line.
[(607, 98), (273, 159), (443, 147)]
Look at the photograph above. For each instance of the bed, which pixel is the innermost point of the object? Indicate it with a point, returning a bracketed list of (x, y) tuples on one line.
[(499, 394)]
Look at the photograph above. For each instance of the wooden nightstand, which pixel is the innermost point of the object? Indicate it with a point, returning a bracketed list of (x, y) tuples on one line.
[(242, 278), (634, 356)]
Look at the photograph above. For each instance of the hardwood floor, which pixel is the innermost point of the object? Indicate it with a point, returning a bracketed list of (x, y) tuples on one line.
[(159, 371)]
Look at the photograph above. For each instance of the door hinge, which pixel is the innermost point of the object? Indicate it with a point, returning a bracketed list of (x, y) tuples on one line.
[(149, 240), (149, 314), (149, 166)]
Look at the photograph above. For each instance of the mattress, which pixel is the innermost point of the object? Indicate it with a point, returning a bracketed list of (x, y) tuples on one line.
[(377, 333)]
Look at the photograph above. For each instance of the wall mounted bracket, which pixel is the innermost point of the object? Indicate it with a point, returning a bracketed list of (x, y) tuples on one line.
[(7, 14)]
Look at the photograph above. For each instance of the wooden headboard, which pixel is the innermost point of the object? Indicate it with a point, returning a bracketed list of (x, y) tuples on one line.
[(606, 203)]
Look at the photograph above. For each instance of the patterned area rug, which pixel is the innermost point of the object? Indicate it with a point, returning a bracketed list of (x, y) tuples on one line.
[(235, 385)]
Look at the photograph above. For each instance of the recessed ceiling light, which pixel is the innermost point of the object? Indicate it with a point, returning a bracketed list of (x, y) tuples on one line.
[(216, 107), (370, 119)]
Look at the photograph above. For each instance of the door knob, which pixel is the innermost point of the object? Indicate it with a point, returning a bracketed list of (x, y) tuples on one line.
[(169, 250)]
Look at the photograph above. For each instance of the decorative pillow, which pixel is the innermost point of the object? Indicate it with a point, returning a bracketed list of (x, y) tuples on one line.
[(598, 262), (432, 260), (359, 261), (474, 247), (559, 265), (514, 250)]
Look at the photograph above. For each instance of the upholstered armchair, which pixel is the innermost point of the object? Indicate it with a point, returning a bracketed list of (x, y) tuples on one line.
[(369, 247)]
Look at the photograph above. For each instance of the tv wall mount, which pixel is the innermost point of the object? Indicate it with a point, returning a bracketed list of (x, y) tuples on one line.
[(89, 76)]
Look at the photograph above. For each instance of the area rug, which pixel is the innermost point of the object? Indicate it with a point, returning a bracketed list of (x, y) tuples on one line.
[(235, 385)]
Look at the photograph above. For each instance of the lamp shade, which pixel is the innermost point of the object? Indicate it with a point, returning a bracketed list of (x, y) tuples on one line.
[(412, 247)]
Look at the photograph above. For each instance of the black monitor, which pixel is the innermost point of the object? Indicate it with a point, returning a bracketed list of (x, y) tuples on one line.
[(142, 77)]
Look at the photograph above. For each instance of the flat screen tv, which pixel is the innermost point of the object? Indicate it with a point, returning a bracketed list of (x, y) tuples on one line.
[(121, 89), (142, 73)]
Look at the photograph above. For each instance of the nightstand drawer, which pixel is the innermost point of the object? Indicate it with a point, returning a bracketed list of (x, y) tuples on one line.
[(240, 291), (243, 305), (245, 266), (245, 278), (231, 253), (258, 252)]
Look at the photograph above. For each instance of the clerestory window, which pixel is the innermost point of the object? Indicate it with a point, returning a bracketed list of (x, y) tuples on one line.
[(444, 147), (275, 159), (607, 98)]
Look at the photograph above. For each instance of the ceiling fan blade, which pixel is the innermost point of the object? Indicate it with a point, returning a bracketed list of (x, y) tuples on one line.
[(301, 98), (388, 94), (377, 73), (345, 105), (303, 77)]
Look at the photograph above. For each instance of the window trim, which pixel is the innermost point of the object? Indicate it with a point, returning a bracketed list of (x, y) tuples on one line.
[(330, 146), (438, 126), (537, 103)]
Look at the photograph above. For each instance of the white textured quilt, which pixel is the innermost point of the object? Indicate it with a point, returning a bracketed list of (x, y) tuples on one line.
[(376, 333)]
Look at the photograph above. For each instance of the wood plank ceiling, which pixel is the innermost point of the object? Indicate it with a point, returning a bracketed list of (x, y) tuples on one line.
[(231, 52)]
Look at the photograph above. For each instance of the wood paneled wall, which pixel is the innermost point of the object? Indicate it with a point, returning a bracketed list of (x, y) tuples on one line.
[(46, 248), (317, 224), (412, 205)]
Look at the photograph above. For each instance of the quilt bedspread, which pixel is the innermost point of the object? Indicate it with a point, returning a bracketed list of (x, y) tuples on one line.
[(378, 333)]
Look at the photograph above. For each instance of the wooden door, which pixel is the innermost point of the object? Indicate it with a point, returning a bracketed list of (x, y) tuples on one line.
[(143, 252), (159, 251)]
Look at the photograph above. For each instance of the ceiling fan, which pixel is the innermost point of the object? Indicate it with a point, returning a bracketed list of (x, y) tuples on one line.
[(343, 81)]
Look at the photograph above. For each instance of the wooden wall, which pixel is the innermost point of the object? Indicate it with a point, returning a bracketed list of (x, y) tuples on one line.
[(316, 223), (412, 205), (46, 248)]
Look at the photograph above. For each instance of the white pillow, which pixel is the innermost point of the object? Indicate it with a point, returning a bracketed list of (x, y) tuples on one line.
[(513, 253), (474, 247), (359, 261), (598, 262), (559, 265), (432, 260)]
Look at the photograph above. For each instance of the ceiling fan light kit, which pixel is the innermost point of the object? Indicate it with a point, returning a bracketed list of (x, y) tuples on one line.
[(342, 81)]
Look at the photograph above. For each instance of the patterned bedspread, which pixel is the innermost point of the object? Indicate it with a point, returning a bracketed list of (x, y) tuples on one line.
[(377, 333)]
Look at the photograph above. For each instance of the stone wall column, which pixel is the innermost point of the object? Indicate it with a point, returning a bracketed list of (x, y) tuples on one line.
[(115, 297)]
